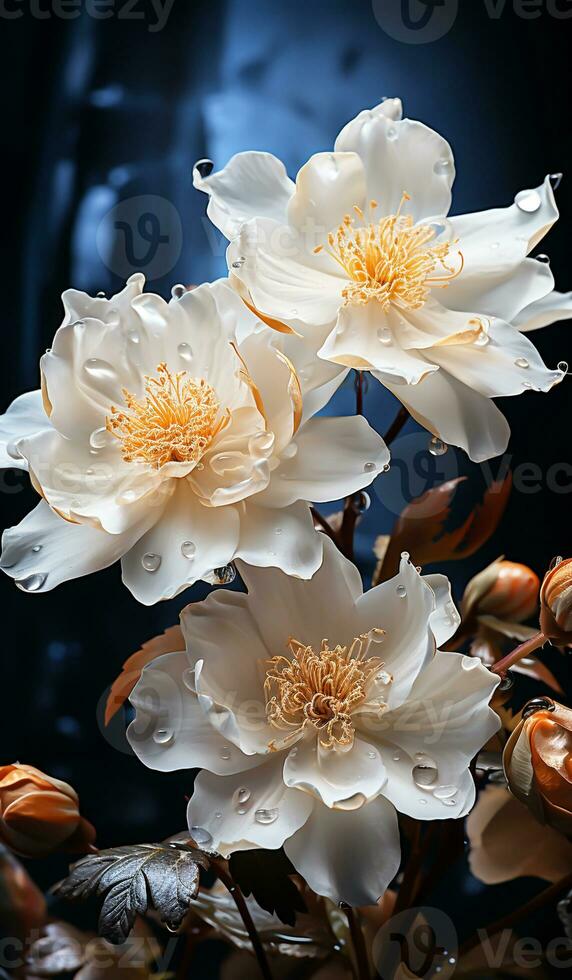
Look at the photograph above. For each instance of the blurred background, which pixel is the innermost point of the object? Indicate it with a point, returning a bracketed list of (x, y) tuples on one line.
[(105, 108)]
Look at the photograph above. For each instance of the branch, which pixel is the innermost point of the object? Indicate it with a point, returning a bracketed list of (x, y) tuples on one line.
[(219, 868), (524, 650)]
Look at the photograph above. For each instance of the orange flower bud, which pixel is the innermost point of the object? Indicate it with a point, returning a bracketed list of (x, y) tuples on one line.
[(556, 603), (39, 814), (538, 762), (506, 589)]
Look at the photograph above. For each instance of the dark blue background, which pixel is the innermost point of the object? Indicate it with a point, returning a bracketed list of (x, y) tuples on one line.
[(98, 112)]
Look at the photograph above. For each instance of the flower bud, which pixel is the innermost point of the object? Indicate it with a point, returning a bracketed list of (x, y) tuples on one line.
[(556, 603), (538, 762), (506, 589), (39, 814)]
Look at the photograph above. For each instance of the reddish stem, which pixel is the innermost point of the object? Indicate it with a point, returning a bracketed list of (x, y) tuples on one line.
[(519, 653)]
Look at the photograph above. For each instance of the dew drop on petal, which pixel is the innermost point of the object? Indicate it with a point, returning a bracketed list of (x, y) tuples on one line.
[(384, 677), (32, 583), (100, 438), (133, 336), (563, 366), (163, 736), (184, 351), (449, 802), (384, 336), (521, 362), (266, 816), (369, 467), (528, 201), (242, 796), (201, 836), (545, 259), (401, 591), (422, 801), (35, 548), (396, 757), (225, 753), (444, 792), (178, 290), (188, 549), (437, 447), (218, 815), (239, 262), (151, 562), (372, 755), (425, 773), (443, 167), (392, 133)]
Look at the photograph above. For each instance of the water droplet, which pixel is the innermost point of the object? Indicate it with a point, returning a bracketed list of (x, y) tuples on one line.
[(545, 259), (563, 366), (521, 362), (444, 792), (555, 181), (278, 530), (384, 677), (401, 591), (372, 755), (396, 757), (266, 816), (443, 167), (188, 549), (425, 773), (528, 201), (101, 294), (100, 438), (242, 796), (35, 548), (437, 447), (422, 801), (99, 370), (151, 562), (537, 704), (201, 836), (218, 815), (32, 583), (392, 133), (361, 502), (133, 336), (293, 311), (225, 753), (405, 555), (369, 467), (163, 736), (239, 262), (185, 351), (384, 336), (203, 167), (449, 802), (178, 290), (224, 575)]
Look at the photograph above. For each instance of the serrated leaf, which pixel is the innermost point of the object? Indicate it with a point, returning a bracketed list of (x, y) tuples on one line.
[(133, 878), (266, 876)]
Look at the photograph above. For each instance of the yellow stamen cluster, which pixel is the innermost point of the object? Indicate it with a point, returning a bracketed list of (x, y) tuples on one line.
[(175, 422), (390, 260), (321, 689)]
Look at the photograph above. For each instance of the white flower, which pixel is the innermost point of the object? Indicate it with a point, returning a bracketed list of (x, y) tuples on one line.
[(360, 251), (162, 441), (315, 712)]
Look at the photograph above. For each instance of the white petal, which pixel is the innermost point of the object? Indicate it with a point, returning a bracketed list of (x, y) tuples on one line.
[(445, 620), (401, 155), (253, 809), (454, 412), (170, 730), (348, 856), (280, 537), (24, 417), (283, 276), (78, 304), (253, 184), (185, 522), (44, 550), (501, 293), (402, 607), (554, 307), (445, 720), (344, 780), (334, 457), (308, 611), (222, 633), (508, 365), (368, 338), (328, 187)]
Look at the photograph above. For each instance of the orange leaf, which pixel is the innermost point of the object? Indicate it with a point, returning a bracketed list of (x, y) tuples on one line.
[(171, 641), (420, 529)]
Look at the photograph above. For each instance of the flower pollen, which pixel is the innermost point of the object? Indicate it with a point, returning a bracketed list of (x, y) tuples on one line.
[(390, 260), (321, 690), (175, 422)]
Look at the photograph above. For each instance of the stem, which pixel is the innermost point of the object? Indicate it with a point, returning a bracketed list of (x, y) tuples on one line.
[(359, 388), (508, 921), (396, 426), (526, 648), (229, 883), (358, 941)]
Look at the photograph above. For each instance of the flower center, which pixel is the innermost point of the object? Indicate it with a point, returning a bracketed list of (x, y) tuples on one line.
[(390, 260), (323, 689), (175, 421)]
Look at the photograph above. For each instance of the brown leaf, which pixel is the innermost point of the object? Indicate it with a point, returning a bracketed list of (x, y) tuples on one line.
[(171, 641), (420, 529)]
